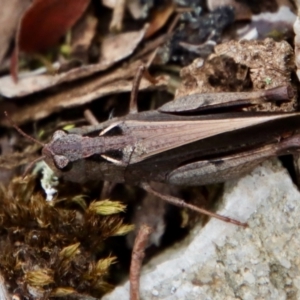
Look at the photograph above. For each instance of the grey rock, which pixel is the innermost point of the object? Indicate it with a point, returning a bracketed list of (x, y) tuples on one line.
[(224, 261)]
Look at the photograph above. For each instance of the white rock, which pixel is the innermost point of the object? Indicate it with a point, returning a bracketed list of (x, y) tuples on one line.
[(223, 261)]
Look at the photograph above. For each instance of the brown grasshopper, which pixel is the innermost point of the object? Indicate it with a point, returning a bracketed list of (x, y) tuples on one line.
[(175, 144)]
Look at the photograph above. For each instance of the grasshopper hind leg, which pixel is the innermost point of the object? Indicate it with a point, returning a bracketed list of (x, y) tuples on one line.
[(181, 203)]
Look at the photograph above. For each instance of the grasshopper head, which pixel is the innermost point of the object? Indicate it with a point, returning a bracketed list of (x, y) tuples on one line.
[(63, 148)]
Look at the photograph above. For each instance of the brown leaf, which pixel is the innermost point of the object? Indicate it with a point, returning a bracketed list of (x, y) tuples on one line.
[(43, 24), (113, 49), (159, 19), (46, 21)]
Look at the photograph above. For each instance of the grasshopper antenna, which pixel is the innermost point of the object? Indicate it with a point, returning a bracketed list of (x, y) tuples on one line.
[(13, 124), (31, 165)]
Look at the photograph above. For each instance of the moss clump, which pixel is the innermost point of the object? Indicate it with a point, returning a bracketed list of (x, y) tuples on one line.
[(51, 250)]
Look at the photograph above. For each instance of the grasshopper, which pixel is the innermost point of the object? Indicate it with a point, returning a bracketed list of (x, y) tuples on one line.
[(177, 143)]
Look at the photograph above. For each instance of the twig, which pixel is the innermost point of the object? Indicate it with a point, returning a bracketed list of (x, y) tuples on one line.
[(152, 45), (89, 116), (135, 89), (118, 15), (173, 24), (138, 253)]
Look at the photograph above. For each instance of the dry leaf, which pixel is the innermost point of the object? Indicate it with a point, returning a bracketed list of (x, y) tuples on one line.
[(116, 47), (77, 94), (31, 83)]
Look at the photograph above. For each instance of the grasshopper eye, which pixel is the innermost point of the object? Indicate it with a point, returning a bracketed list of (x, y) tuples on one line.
[(60, 161), (58, 134)]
